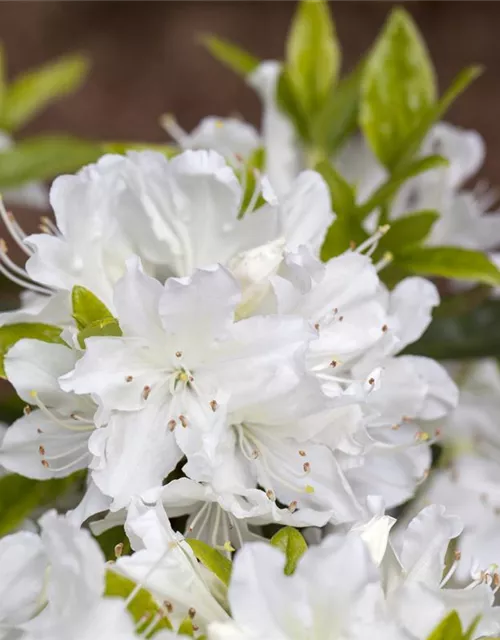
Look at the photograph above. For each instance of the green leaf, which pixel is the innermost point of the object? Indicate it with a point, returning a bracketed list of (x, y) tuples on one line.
[(289, 104), (398, 87), (338, 119), (44, 157), (448, 629), (342, 194), (34, 90), (312, 54), (410, 230), (388, 190), (168, 150), (293, 545), (92, 317), (143, 606), (212, 559), (11, 333), (232, 56), (247, 176), (415, 138), (20, 496), (450, 262), (472, 335), (186, 628)]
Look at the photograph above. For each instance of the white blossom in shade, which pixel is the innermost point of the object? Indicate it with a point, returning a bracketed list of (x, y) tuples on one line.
[(180, 360), (166, 566), (52, 586), (232, 138), (334, 593), (51, 439)]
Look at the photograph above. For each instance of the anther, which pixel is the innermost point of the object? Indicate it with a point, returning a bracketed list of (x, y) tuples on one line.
[(308, 488), (384, 328), (333, 363), (213, 405), (352, 244), (292, 506), (168, 606), (307, 467), (316, 326), (171, 424), (146, 391), (191, 612), (341, 318), (371, 381), (178, 354), (45, 464), (129, 378), (41, 450), (119, 549), (302, 452), (458, 555), (27, 410), (183, 421), (38, 430), (270, 495)]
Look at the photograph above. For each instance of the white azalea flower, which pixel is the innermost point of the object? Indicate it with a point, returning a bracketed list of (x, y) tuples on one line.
[(164, 564), (181, 357), (52, 586)]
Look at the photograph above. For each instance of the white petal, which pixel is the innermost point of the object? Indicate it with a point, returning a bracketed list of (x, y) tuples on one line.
[(411, 305)]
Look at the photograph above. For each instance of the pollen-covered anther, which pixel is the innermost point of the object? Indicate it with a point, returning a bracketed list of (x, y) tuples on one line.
[(213, 405), (308, 488), (168, 606), (422, 436), (183, 421), (178, 354), (307, 467), (129, 378), (191, 612), (171, 424), (292, 507), (302, 452), (41, 450), (118, 549), (146, 391), (27, 410), (270, 495)]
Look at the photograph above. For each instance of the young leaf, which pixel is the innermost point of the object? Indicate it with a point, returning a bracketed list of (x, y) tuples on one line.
[(293, 545), (415, 138), (448, 629), (92, 317), (44, 157), (398, 87), (411, 230), (20, 496), (388, 190), (33, 90), (289, 103), (212, 559), (232, 56), (342, 194), (472, 335), (142, 607), (312, 54), (450, 262), (12, 333)]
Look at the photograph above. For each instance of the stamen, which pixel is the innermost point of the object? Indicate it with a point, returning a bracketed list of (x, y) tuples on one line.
[(66, 466), (47, 222), (14, 229), (387, 259), (86, 426), (16, 280), (371, 243), (256, 193), (175, 131)]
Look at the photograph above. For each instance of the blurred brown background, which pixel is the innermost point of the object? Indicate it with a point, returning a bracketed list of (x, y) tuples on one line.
[(146, 60)]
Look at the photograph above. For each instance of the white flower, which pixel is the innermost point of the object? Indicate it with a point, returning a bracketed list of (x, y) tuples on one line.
[(165, 565), (52, 586), (334, 593), (180, 358)]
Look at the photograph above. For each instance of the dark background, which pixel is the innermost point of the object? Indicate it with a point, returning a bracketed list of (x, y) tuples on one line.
[(146, 60)]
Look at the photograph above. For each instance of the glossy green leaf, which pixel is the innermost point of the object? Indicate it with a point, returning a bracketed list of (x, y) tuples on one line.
[(398, 87), (448, 629), (212, 559), (312, 54), (92, 317), (143, 606), (411, 230), (20, 496), (232, 56), (450, 262), (415, 138), (388, 190), (44, 157), (12, 333), (32, 91), (293, 545), (338, 118), (168, 150), (475, 334)]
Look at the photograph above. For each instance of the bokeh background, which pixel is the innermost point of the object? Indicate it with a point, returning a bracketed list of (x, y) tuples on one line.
[(146, 60)]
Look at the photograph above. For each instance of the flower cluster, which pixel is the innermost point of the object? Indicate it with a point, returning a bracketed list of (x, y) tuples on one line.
[(207, 368)]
